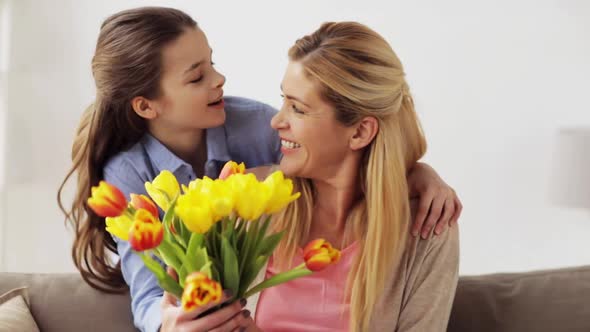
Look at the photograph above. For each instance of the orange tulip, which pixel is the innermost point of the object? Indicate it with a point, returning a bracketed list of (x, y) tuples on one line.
[(199, 290), (144, 202), (107, 200), (318, 254), (146, 231), (231, 168)]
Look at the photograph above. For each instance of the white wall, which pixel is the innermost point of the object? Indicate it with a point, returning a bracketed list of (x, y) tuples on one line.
[(493, 84)]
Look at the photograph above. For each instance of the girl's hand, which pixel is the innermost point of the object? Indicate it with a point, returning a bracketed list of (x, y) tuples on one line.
[(439, 204)]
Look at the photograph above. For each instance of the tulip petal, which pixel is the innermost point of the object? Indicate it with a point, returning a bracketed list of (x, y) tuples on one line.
[(199, 290)]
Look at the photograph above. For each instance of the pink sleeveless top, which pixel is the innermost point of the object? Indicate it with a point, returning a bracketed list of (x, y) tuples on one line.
[(311, 303)]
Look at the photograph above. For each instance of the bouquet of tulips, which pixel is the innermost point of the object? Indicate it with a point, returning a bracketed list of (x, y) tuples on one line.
[(214, 233)]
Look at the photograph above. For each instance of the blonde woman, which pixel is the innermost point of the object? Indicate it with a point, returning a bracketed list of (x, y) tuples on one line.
[(349, 135)]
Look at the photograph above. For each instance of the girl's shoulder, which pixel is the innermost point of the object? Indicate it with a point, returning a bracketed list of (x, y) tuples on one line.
[(129, 169), (243, 112)]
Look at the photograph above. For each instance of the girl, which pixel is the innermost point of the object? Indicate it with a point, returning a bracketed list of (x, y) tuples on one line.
[(160, 105)]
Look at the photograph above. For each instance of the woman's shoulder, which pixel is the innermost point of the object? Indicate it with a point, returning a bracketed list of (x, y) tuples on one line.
[(435, 248)]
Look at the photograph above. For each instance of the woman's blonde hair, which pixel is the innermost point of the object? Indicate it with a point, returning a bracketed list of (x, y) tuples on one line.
[(360, 76)]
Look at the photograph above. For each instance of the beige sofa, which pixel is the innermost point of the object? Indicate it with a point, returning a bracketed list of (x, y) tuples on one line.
[(553, 300)]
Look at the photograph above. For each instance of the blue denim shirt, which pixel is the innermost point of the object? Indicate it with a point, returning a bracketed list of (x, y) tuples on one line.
[(245, 137)]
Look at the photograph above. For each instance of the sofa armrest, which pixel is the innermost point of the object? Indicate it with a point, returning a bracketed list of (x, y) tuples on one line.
[(64, 302)]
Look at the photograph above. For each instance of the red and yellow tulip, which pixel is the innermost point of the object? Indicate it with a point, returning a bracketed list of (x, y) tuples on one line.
[(230, 168), (318, 254), (199, 290), (146, 231), (144, 202), (107, 200)]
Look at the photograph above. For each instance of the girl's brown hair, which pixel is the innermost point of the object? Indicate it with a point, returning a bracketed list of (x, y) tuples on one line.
[(127, 63)]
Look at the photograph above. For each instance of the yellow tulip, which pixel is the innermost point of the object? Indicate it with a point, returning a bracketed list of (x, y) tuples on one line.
[(230, 168), (251, 196), (195, 211), (221, 197), (281, 192), (218, 193), (164, 189), (119, 226)]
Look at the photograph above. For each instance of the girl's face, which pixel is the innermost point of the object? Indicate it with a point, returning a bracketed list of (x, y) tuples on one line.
[(314, 143), (191, 89)]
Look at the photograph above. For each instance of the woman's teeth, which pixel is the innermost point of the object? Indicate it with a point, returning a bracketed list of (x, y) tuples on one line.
[(289, 145)]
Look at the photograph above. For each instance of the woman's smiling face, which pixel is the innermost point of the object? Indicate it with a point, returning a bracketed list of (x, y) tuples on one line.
[(314, 143)]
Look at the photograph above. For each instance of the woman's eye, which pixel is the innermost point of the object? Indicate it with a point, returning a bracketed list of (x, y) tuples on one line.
[(197, 80), (296, 110)]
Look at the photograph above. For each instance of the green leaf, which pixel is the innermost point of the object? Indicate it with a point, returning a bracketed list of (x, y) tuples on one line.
[(195, 243), (168, 256), (250, 273), (206, 268), (247, 254), (269, 243), (231, 273), (241, 235), (182, 273), (164, 280), (184, 233), (278, 279), (215, 268), (201, 258), (263, 229), (169, 215)]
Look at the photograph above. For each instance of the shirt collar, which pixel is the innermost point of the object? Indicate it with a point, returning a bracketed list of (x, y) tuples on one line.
[(217, 148), (164, 159), (161, 157)]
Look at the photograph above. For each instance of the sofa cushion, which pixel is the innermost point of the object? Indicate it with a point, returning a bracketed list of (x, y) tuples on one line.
[(550, 300), (14, 312), (64, 302)]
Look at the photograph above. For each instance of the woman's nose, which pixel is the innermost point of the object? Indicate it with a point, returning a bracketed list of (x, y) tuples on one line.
[(278, 122)]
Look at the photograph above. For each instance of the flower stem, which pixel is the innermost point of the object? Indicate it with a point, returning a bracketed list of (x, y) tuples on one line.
[(299, 271)]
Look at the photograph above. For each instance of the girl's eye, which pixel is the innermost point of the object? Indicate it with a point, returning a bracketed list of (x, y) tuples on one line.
[(197, 80)]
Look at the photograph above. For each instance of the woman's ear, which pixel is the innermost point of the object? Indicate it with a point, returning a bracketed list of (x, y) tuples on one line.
[(365, 132), (144, 107)]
